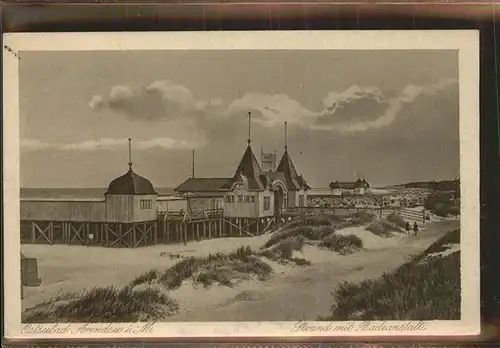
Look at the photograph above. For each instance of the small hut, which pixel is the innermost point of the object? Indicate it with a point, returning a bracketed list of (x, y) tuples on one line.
[(131, 210)]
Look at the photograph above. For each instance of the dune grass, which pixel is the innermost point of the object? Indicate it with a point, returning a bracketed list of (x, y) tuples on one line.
[(105, 305), (218, 268), (146, 297), (342, 244), (383, 228), (417, 290), (319, 229), (397, 220)]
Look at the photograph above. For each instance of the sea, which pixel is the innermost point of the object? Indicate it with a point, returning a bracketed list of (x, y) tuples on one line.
[(91, 192)]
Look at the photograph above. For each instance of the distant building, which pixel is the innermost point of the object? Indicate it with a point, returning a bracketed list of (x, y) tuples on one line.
[(358, 187)]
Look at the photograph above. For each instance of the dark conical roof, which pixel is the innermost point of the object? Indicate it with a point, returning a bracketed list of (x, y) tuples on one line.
[(130, 184), (293, 180), (249, 170)]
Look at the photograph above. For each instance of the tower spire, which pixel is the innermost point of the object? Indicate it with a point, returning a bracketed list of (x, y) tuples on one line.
[(130, 153), (192, 166), (286, 136), (249, 128)]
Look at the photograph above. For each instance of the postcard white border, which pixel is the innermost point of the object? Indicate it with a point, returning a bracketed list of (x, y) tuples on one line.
[(465, 41)]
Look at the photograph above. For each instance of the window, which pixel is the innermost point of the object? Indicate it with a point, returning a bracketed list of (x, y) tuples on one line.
[(247, 199), (146, 204), (252, 199), (301, 200), (267, 203), (240, 199)]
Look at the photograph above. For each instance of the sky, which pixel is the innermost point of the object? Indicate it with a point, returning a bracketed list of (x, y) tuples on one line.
[(388, 116)]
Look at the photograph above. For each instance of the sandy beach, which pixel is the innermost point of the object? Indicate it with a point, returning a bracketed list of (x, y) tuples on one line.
[(74, 268)]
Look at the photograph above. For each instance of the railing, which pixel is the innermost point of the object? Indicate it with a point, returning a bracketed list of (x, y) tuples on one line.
[(184, 215), (335, 210)]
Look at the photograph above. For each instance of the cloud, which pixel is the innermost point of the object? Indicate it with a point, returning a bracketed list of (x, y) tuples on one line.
[(160, 100), (111, 144), (33, 144), (356, 109), (381, 117), (96, 102), (272, 109)]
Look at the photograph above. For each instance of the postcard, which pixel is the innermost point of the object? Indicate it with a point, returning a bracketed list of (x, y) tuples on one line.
[(241, 184)]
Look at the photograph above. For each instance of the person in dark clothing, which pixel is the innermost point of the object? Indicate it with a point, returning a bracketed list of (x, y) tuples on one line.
[(415, 228), (408, 228)]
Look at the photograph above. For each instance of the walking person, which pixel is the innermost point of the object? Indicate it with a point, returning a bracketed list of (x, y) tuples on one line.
[(415, 228), (408, 228)]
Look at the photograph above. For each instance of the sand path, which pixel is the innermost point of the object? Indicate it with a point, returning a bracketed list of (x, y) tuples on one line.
[(301, 293)]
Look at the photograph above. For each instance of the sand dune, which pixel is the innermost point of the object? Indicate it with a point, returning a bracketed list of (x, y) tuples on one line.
[(294, 293)]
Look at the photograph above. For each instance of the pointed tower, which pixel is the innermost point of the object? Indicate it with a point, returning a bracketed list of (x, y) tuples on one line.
[(295, 183), (249, 171), (286, 166)]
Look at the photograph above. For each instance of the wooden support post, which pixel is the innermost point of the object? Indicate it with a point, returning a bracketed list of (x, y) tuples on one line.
[(64, 237), (220, 226), (239, 226), (210, 229), (87, 238), (167, 228), (258, 225), (155, 232), (134, 235), (177, 232), (51, 232), (198, 231)]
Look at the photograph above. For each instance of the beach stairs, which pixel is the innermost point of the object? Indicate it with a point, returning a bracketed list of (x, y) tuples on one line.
[(413, 216)]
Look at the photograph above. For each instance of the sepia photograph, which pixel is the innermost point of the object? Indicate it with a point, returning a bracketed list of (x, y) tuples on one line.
[(327, 188)]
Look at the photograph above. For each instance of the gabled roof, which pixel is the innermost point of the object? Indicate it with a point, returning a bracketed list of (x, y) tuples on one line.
[(130, 184), (287, 167), (203, 184), (249, 171)]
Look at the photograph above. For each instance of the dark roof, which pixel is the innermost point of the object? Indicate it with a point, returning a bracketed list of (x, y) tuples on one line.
[(303, 183), (130, 183), (203, 184), (343, 185), (275, 175), (268, 177), (293, 180), (249, 171)]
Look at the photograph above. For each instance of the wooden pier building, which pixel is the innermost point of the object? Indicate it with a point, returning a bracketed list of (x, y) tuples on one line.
[(132, 214), (252, 199)]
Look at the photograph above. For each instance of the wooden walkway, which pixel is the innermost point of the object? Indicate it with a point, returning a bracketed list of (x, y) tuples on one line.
[(179, 227)]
